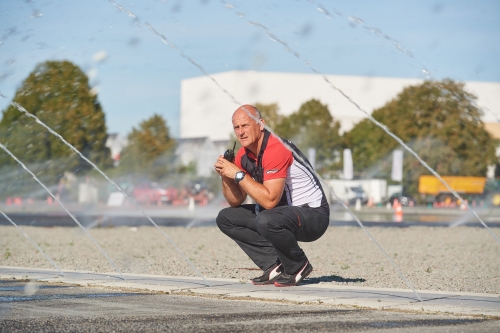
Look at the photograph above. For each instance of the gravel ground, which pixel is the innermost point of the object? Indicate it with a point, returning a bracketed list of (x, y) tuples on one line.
[(451, 259)]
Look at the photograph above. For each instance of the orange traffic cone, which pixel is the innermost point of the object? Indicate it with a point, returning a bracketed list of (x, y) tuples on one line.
[(463, 205), (398, 210)]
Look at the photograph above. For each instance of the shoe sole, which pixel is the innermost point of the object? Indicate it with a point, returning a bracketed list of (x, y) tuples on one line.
[(261, 283), (306, 274), (266, 282)]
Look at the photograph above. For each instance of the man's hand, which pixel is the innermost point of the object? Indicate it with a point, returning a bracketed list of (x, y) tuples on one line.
[(267, 195), (225, 168), (231, 191)]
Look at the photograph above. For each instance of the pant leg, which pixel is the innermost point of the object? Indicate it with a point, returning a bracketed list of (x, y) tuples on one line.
[(285, 225), (240, 225)]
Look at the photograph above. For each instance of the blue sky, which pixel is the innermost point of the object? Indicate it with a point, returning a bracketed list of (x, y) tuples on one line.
[(141, 75)]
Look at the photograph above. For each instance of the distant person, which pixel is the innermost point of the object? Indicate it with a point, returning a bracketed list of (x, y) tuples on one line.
[(61, 190), (291, 205)]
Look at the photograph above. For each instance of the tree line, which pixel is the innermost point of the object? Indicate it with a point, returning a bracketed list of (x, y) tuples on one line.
[(59, 94), (439, 120)]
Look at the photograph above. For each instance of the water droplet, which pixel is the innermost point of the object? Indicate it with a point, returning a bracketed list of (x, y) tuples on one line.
[(177, 7), (306, 30), (94, 91), (376, 32), (130, 14), (134, 42), (324, 11), (36, 14), (427, 74), (355, 21), (92, 73), (99, 56)]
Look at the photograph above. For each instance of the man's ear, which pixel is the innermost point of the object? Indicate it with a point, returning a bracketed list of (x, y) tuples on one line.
[(262, 125)]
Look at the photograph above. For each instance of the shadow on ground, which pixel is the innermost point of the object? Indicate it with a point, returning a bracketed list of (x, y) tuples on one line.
[(332, 278)]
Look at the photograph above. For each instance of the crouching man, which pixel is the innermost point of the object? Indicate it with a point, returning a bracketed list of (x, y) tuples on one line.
[(291, 205)]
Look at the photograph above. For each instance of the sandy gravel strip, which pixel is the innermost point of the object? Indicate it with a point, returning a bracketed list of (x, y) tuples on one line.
[(460, 259)]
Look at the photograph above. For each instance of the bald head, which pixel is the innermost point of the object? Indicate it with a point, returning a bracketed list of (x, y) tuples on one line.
[(247, 127), (249, 111)]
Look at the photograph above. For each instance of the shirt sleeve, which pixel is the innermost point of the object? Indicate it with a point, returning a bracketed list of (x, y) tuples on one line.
[(277, 159)]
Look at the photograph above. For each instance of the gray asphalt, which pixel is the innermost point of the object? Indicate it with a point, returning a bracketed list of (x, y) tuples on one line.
[(28, 306), (134, 220)]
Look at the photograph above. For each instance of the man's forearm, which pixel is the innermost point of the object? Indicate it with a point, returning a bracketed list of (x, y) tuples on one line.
[(232, 192), (266, 195)]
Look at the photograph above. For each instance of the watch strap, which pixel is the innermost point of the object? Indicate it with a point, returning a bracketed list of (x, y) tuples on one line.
[(237, 178)]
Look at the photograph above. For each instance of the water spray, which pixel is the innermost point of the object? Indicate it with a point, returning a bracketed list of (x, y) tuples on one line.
[(164, 40), (34, 244), (310, 168), (369, 116), (358, 21), (173, 46), (28, 114), (67, 211), (462, 220)]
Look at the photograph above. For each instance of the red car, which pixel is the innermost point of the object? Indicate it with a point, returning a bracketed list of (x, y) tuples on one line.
[(152, 193)]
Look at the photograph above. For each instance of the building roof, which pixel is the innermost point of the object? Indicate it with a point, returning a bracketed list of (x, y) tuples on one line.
[(206, 109)]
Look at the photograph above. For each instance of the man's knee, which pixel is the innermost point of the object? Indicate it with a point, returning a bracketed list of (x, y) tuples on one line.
[(266, 222), (222, 218)]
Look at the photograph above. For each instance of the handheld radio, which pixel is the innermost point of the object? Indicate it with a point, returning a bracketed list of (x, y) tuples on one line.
[(229, 154)]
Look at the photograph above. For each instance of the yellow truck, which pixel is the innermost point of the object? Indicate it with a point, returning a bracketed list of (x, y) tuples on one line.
[(431, 185)]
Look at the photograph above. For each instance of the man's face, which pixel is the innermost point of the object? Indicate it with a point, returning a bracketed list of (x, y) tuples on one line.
[(246, 129)]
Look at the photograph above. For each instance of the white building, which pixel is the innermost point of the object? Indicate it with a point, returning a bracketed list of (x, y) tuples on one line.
[(206, 109)]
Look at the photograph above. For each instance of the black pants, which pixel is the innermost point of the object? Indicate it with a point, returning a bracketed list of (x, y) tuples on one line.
[(273, 233)]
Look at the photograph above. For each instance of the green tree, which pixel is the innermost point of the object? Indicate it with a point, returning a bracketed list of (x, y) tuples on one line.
[(312, 126), (150, 149), (270, 113), (441, 123), (58, 93)]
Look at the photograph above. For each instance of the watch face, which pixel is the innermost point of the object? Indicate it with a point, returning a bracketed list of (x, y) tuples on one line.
[(239, 176)]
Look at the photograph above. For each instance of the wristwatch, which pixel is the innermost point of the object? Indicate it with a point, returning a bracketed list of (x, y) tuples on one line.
[(239, 176)]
